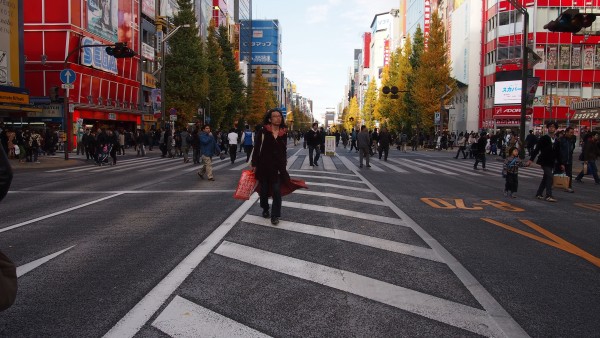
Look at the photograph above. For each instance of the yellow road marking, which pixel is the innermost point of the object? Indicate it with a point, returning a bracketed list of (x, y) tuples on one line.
[(553, 240), (591, 206), (459, 203)]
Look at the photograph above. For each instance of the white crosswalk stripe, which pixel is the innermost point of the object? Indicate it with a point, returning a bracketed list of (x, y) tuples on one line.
[(298, 162), (177, 316)]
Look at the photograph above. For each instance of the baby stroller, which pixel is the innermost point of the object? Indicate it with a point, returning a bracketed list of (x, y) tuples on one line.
[(104, 154)]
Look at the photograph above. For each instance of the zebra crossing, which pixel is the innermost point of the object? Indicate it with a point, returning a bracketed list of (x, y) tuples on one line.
[(299, 161), (176, 313)]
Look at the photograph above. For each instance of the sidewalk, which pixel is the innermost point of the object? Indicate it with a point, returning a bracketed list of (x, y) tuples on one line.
[(49, 162)]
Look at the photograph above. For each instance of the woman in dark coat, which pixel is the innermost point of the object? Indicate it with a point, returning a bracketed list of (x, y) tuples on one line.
[(269, 161)]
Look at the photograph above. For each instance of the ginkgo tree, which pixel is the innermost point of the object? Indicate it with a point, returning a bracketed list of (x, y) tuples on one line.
[(432, 75)]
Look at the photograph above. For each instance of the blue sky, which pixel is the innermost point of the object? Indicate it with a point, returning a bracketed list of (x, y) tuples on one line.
[(318, 42)]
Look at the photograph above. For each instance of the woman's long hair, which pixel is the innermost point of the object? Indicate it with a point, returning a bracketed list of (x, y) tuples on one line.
[(268, 116)]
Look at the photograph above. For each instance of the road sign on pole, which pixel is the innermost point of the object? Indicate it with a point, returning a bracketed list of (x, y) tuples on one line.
[(67, 76)]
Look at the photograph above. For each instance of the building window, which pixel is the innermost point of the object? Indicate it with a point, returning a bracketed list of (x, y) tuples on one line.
[(510, 17)]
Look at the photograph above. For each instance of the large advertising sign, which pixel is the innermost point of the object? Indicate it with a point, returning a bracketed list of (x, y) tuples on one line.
[(96, 56), (148, 8), (265, 43), (507, 92), (9, 44), (102, 18)]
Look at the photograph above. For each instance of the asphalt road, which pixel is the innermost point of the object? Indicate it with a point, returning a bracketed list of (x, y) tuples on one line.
[(419, 245)]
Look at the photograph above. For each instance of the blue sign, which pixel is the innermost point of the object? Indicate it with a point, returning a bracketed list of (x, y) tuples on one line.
[(67, 76), (264, 44), (97, 56)]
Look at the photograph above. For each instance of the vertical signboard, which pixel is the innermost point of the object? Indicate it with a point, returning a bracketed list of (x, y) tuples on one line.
[(265, 42), (386, 52), (427, 20), (10, 66)]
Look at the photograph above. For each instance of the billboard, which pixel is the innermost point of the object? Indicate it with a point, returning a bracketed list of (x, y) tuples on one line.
[(10, 65), (102, 18), (148, 8), (265, 42), (509, 92)]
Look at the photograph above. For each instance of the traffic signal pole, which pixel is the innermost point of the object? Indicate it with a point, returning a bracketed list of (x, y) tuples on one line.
[(66, 112), (524, 74)]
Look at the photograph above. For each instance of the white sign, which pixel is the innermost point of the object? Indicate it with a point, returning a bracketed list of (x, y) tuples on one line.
[(173, 117), (147, 51), (330, 145), (67, 86), (507, 92)]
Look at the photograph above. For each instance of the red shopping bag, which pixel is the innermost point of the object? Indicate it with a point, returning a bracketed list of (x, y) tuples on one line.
[(246, 185)]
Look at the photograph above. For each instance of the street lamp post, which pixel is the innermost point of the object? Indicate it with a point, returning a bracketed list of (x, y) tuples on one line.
[(162, 67), (524, 67)]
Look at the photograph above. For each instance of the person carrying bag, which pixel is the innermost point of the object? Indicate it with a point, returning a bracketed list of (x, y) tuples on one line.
[(8, 270)]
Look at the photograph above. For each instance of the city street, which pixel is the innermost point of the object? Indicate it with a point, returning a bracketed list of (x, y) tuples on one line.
[(419, 245)]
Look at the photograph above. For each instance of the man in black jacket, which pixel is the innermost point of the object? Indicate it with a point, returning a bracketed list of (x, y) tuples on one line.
[(548, 158), (480, 151), (313, 141)]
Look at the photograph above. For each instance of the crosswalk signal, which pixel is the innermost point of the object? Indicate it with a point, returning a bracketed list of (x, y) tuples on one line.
[(571, 21), (120, 50)]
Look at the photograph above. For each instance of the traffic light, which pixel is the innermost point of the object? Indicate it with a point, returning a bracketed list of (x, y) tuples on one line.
[(120, 50), (571, 21)]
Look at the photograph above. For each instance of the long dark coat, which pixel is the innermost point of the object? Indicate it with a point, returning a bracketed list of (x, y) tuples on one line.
[(270, 154), (269, 157)]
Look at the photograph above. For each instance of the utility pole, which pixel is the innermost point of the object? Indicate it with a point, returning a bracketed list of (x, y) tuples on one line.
[(524, 68)]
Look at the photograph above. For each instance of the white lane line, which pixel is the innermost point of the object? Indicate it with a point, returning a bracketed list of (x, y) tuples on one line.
[(338, 196), (328, 173), (182, 318), (502, 319), (328, 163), (71, 168), (306, 163), (245, 165), (496, 168), (108, 167), (451, 166), (292, 159), (137, 317), (373, 166), (393, 167), (58, 213), (329, 185), (347, 236), (329, 178), (78, 192), (349, 164), (415, 168), (344, 212), (430, 167), (428, 306), (25, 268)]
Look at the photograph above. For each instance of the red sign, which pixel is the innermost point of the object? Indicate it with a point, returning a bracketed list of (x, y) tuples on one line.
[(386, 52), (509, 111)]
